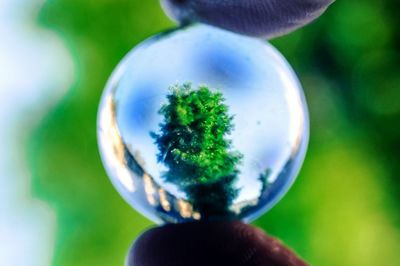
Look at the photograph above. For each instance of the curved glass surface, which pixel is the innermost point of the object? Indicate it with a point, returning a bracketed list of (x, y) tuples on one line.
[(203, 98)]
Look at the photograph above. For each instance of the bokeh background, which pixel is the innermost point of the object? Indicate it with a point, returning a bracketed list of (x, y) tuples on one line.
[(57, 206)]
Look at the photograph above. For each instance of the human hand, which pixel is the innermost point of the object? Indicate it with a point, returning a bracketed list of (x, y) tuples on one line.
[(208, 244), (260, 18)]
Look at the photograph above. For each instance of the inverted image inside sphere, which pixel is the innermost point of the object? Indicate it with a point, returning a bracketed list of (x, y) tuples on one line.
[(201, 123)]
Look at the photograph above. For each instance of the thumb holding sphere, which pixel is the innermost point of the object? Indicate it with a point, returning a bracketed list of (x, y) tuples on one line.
[(210, 243), (258, 18)]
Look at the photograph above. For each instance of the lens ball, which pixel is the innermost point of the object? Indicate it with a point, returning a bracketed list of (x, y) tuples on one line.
[(200, 123)]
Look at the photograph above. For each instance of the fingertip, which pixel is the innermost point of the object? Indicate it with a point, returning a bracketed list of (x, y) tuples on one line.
[(209, 243), (257, 18)]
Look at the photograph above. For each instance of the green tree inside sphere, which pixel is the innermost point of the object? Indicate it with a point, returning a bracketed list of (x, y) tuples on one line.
[(193, 144)]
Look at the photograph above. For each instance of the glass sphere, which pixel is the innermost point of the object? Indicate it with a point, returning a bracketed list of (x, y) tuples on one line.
[(200, 123)]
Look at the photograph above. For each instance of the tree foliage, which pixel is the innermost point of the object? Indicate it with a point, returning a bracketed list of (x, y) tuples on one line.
[(193, 144)]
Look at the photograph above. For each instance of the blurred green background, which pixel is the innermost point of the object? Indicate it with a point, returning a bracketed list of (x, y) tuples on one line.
[(343, 209)]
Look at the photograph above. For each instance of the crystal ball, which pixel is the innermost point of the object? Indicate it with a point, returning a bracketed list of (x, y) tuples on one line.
[(200, 123)]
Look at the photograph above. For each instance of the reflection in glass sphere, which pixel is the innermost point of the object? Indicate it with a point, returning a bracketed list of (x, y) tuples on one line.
[(201, 123)]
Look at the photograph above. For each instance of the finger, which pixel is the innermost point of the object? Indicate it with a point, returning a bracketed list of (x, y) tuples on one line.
[(260, 18), (210, 243)]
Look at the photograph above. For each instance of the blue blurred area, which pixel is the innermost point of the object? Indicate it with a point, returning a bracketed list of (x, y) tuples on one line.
[(28, 73)]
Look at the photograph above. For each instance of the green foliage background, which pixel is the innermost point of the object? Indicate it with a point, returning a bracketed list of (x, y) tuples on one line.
[(343, 210)]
